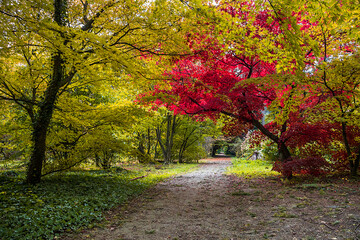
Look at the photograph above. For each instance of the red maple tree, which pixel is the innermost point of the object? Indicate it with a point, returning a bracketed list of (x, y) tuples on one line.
[(240, 83)]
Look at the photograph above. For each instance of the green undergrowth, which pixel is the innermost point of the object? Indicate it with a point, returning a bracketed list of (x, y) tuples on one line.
[(251, 168), (72, 200)]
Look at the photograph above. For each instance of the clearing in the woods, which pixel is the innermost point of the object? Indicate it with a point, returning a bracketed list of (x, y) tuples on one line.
[(208, 204)]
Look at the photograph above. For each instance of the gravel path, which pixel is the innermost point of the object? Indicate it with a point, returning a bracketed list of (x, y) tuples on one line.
[(206, 204), (191, 206), (186, 208)]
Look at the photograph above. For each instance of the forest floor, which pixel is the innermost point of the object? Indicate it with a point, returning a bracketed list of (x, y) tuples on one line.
[(207, 204)]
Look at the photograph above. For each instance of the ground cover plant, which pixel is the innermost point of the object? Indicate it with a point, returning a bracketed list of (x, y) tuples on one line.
[(71, 200), (251, 168)]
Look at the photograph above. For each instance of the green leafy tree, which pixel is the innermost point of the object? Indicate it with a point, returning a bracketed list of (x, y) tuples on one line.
[(190, 138), (56, 45)]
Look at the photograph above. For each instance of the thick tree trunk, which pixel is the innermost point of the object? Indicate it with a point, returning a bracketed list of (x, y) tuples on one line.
[(284, 153), (38, 155), (285, 156), (42, 121)]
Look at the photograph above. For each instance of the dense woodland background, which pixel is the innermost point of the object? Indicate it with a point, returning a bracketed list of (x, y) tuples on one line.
[(98, 81)]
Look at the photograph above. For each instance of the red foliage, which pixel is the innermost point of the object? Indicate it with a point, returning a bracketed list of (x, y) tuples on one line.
[(300, 132), (340, 162), (213, 81), (314, 166), (210, 82)]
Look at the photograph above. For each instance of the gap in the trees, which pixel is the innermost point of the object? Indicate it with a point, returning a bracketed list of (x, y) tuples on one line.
[(223, 147)]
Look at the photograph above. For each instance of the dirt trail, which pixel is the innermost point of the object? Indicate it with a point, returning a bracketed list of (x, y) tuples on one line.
[(204, 204), (190, 206)]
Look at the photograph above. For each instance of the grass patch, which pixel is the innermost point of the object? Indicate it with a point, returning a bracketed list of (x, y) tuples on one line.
[(71, 200), (251, 168), (282, 213)]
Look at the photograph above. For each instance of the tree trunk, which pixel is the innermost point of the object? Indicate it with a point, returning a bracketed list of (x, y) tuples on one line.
[(156, 153), (148, 141), (181, 152), (354, 165), (38, 154), (170, 131), (141, 149), (159, 140), (181, 157), (42, 121), (171, 136), (97, 160), (284, 153)]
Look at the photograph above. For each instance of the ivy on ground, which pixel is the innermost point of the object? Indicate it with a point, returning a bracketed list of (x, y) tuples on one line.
[(71, 200)]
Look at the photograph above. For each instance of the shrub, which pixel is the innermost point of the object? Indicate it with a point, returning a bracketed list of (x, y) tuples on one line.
[(314, 166), (270, 151)]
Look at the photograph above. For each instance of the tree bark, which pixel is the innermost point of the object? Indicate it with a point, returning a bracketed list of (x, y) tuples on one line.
[(284, 153), (353, 164), (141, 148), (42, 122), (44, 115)]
